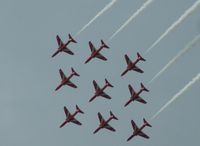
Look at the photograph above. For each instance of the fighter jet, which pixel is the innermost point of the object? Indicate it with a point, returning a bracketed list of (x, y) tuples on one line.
[(132, 65), (100, 91), (138, 131), (71, 117), (66, 80), (96, 53), (135, 96), (62, 47), (104, 124)]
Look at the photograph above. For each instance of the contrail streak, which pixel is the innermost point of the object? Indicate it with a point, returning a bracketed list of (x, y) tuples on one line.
[(148, 2), (98, 14), (183, 90), (187, 13), (189, 46)]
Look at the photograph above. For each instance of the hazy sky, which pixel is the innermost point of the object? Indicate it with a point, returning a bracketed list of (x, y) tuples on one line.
[(31, 111)]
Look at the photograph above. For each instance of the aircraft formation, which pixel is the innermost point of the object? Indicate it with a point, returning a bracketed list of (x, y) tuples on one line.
[(100, 91)]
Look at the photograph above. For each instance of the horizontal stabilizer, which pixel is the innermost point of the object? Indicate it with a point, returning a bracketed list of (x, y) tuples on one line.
[(146, 123), (107, 83), (104, 45), (113, 116), (72, 39), (143, 87), (140, 57), (79, 110), (74, 72)]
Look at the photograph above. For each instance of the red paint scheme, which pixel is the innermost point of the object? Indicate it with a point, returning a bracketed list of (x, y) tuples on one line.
[(135, 96), (96, 53), (104, 123), (70, 117), (62, 47), (132, 65), (66, 80), (138, 131), (100, 91)]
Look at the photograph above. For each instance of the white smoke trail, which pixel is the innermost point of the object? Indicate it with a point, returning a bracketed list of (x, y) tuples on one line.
[(132, 17), (189, 46), (187, 13), (177, 95), (98, 14)]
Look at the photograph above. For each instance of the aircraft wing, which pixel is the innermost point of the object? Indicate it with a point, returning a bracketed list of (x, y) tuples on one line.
[(66, 50), (143, 135), (92, 48), (135, 127), (105, 95), (59, 41), (137, 69), (96, 86), (109, 127), (100, 117), (128, 61), (67, 113), (100, 56), (131, 89), (139, 99), (76, 121), (62, 75), (69, 83)]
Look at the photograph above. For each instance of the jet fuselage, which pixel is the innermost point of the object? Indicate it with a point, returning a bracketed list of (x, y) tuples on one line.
[(64, 81), (94, 54)]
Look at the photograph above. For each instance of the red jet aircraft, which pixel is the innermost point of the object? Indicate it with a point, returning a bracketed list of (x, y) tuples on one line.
[(138, 131), (63, 47), (104, 123), (135, 96), (100, 91), (70, 117), (132, 65), (96, 53), (66, 80)]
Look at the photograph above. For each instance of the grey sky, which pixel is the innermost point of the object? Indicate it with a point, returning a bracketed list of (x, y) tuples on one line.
[(31, 111)]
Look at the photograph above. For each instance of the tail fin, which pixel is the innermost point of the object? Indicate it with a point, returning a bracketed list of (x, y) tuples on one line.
[(71, 39), (104, 45), (113, 116), (107, 83), (74, 72), (79, 110), (140, 57), (146, 123), (144, 88)]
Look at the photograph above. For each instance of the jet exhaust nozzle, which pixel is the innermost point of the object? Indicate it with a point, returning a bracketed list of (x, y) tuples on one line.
[(74, 72), (113, 116), (140, 57), (72, 39), (79, 110), (146, 123), (108, 84), (104, 45), (144, 88)]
